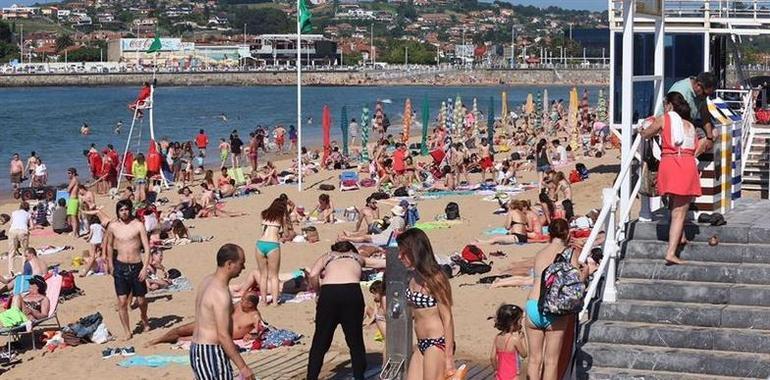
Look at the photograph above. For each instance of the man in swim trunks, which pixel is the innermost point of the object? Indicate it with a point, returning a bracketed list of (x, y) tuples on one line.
[(73, 203), (236, 145), (124, 242), (366, 217), (212, 342), (246, 318), (16, 171)]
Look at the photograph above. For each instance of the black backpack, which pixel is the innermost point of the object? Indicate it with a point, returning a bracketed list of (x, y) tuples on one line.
[(452, 211), (466, 267), (400, 192), (380, 195)]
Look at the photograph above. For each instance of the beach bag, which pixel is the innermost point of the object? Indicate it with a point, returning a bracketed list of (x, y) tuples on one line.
[(471, 268), (367, 182), (472, 254), (380, 195), (561, 290), (326, 187), (84, 328), (311, 234), (101, 335), (452, 211), (401, 192), (574, 177), (582, 170), (68, 287)]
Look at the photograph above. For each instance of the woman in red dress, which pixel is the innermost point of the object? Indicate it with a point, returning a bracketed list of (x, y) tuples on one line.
[(678, 176)]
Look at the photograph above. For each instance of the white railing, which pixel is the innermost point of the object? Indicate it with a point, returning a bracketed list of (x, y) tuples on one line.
[(746, 107), (611, 223)]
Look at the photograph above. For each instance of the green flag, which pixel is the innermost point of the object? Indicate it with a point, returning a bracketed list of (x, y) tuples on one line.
[(156, 45), (304, 16)]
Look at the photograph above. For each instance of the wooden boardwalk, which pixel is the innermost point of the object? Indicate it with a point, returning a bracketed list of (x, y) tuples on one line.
[(289, 363)]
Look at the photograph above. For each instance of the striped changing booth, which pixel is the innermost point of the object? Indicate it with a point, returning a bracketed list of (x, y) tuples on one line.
[(721, 170)]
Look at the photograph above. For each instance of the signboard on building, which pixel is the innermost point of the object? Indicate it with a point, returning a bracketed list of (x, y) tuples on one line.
[(142, 44), (649, 7)]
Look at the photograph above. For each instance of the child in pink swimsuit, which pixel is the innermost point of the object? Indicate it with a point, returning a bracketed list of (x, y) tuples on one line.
[(509, 344)]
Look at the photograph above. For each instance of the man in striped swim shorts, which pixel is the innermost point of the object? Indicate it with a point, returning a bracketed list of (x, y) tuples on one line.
[(212, 343)]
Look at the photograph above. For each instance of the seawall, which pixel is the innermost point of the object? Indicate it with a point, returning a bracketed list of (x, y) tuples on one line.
[(325, 78)]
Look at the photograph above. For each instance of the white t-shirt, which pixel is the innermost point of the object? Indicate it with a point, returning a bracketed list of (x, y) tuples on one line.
[(353, 129), (562, 153), (97, 233), (20, 220), (40, 170)]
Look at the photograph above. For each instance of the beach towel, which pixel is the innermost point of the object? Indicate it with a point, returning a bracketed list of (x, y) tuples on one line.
[(155, 361), (297, 298), (274, 338), (13, 317), (43, 233), (180, 284), (496, 231), (237, 175), (437, 225), (51, 250)]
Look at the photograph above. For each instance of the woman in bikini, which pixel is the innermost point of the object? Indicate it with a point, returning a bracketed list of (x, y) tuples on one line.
[(429, 295), (545, 331), (268, 251), (515, 223)]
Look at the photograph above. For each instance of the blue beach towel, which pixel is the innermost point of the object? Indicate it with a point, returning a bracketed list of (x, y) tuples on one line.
[(155, 361), (496, 231)]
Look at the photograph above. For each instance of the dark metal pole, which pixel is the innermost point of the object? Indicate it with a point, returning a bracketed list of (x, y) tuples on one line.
[(398, 339)]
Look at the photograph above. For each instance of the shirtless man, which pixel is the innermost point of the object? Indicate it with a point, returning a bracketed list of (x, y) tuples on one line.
[(73, 202), (127, 237), (212, 342), (16, 171), (366, 217), (246, 318)]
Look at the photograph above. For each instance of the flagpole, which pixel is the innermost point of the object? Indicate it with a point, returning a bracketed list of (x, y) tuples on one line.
[(299, 99)]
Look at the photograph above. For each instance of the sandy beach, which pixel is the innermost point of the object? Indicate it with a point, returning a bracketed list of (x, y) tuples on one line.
[(473, 303)]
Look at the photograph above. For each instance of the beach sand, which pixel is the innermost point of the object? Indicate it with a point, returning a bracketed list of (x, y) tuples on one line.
[(473, 304)]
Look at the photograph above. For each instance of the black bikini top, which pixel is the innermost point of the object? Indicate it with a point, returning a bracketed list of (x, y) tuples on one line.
[(420, 300)]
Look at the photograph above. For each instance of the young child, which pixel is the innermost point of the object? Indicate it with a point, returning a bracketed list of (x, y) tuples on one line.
[(377, 313), (95, 262), (509, 344)]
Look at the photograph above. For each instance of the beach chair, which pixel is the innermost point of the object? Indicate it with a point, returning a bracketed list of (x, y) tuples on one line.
[(349, 181), (52, 320)]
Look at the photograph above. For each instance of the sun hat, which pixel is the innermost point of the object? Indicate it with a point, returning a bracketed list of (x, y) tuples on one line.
[(398, 210)]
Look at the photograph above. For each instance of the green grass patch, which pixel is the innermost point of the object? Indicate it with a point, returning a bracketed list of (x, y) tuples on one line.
[(41, 25)]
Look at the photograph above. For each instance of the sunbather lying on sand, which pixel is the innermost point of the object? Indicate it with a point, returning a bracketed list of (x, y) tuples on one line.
[(246, 319)]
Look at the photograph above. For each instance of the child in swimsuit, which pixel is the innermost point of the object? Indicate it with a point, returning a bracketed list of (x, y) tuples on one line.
[(509, 344)]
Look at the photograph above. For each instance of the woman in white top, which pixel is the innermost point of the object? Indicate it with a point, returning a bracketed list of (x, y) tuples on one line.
[(40, 174)]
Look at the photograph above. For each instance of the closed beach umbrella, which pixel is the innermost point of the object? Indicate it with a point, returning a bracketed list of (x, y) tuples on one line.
[(326, 124), (538, 113), (459, 117), (529, 107), (572, 119), (474, 120), (546, 110), (407, 119), (365, 134), (450, 109), (425, 121), (504, 110), (344, 127), (491, 125), (442, 116), (601, 107)]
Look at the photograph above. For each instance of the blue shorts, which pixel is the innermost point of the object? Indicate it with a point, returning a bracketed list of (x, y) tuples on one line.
[(540, 320), (544, 168)]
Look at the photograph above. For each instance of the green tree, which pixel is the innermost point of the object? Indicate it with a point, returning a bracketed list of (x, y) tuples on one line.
[(395, 52), (8, 51), (85, 54), (5, 32), (263, 21), (63, 41)]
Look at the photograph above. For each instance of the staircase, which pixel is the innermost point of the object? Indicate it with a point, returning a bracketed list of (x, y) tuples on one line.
[(709, 319), (756, 175)]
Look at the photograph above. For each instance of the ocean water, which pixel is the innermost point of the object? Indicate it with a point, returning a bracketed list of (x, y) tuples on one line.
[(47, 120)]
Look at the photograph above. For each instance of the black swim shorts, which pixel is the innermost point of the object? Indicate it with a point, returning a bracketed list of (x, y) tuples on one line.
[(126, 276)]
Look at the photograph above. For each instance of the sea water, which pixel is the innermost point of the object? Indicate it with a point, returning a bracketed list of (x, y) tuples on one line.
[(48, 119)]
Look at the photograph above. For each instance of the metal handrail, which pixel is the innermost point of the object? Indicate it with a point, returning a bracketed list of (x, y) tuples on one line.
[(607, 221)]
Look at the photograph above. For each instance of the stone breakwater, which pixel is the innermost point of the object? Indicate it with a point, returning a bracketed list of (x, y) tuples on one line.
[(318, 78)]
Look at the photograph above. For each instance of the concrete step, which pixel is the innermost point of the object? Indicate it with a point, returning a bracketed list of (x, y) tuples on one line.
[(602, 373), (729, 233), (671, 336), (701, 271), (700, 251), (707, 363), (686, 314), (750, 179), (691, 291), (753, 187)]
